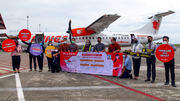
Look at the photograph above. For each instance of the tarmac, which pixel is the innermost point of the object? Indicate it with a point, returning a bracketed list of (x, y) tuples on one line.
[(63, 86)]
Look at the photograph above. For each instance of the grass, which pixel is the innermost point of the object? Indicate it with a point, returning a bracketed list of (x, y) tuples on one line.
[(177, 44)]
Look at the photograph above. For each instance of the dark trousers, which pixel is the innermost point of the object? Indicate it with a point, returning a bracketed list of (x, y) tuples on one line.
[(40, 61), (169, 65), (30, 60), (126, 74), (151, 61), (49, 63), (55, 67), (136, 66), (16, 62)]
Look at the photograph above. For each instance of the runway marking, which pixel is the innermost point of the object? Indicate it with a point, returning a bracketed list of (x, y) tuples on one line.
[(19, 88), (83, 87), (137, 91), (6, 76)]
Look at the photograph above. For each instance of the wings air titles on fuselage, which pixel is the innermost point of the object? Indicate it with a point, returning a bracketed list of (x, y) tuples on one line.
[(53, 38)]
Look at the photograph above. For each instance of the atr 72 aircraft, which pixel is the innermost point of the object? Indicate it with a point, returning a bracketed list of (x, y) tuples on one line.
[(94, 30)]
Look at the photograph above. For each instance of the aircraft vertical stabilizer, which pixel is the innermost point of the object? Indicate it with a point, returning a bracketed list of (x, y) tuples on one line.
[(153, 26)]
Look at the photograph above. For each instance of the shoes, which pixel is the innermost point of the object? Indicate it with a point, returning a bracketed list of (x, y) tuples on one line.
[(18, 71), (174, 85), (146, 80), (40, 70), (30, 70), (135, 79), (153, 81), (130, 76), (14, 71), (166, 83)]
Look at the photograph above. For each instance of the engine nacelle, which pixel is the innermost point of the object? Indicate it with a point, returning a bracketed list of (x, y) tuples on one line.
[(81, 32)]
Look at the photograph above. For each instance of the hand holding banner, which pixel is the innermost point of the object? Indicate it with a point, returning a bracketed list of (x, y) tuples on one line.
[(92, 62), (137, 54), (165, 53), (24, 34), (36, 49), (8, 45)]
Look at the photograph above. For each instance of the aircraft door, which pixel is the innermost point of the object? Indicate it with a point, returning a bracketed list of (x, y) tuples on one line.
[(132, 38), (39, 37)]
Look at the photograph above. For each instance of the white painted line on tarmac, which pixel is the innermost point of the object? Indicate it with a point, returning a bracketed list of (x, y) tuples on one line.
[(6, 76), (83, 87), (19, 88)]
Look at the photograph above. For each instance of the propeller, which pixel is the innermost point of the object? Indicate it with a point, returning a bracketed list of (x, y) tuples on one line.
[(69, 30)]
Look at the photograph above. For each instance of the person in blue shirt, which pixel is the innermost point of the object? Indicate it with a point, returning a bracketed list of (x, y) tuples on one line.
[(56, 60), (127, 67), (40, 57)]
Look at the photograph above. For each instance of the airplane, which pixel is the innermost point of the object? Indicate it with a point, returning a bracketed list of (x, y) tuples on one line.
[(95, 29)]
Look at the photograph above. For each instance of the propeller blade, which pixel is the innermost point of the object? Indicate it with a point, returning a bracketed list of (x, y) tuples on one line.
[(69, 30)]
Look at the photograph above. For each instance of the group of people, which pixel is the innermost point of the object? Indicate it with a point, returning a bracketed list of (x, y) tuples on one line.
[(54, 62), (150, 61)]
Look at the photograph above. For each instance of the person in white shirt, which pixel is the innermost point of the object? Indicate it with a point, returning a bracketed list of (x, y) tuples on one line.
[(137, 48)]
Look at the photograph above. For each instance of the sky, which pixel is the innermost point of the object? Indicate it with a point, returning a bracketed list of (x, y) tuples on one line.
[(54, 15)]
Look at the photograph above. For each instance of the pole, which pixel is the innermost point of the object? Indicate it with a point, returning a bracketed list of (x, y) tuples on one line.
[(27, 22), (39, 27)]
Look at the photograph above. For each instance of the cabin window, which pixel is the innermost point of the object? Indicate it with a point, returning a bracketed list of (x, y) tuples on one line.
[(124, 37), (106, 37), (102, 37), (82, 37), (118, 37), (109, 37), (86, 38), (121, 37), (92, 37), (89, 37), (79, 37), (127, 37)]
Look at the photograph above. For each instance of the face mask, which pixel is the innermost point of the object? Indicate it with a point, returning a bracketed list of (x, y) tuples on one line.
[(136, 41), (41, 43), (112, 43), (50, 44), (98, 40), (149, 40), (56, 50), (87, 44), (33, 42), (65, 42), (164, 42), (59, 44), (123, 56), (73, 42)]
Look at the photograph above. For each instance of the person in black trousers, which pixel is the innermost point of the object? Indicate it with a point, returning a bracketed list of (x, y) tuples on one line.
[(137, 48), (56, 60), (40, 58), (30, 55), (49, 59), (151, 61), (16, 57), (169, 65)]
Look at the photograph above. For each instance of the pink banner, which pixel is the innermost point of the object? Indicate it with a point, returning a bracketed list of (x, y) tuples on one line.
[(92, 63)]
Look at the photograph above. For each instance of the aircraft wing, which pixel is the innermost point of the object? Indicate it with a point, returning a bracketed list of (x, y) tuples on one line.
[(103, 22), (2, 25)]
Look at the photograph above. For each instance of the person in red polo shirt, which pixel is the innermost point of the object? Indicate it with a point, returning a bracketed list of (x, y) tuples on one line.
[(114, 47)]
